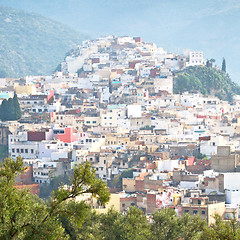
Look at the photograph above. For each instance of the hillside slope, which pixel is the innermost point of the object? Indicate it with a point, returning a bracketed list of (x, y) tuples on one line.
[(207, 80), (209, 26), (31, 44)]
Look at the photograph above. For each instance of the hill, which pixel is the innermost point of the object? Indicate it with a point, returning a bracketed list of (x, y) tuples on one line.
[(31, 44), (207, 80), (209, 26)]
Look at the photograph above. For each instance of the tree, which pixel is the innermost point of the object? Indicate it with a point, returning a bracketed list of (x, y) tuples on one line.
[(24, 216), (17, 109), (55, 183), (222, 229), (10, 109), (166, 224), (134, 225), (4, 110), (224, 65), (192, 227)]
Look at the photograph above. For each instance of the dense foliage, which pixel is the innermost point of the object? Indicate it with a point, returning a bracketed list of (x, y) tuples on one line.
[(31, 44), (206, 80), (10, 109), (3, 152), (25, 216), (55, 183), (163, 225)]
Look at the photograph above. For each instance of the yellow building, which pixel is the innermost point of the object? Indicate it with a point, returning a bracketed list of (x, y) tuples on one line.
[(114, 202), (128, 184), (28, 89)]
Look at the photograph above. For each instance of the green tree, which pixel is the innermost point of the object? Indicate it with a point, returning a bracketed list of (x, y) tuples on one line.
[(10, 109), (24, 216), (134, 225), (4, 110), (192, 227), (17, 109), (222, 230), (224, 65), (55, 183), (166, 225), (110, 225)]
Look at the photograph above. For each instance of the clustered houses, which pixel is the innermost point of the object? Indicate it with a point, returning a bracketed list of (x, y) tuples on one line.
[(112, 104)]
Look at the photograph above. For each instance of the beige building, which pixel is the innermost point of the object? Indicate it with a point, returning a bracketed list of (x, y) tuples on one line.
[(128, 184), (28, 89), (204, 208), (114, 202), (224, 160)]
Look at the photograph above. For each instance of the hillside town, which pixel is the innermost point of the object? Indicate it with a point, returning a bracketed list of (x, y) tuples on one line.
[(112, 103)]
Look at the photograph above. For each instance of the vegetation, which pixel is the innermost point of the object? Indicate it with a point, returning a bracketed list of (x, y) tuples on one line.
[(3, 152), (206, 80), (164, 225), (224, 65), (117, 181), (10, 109), (55, 183), (24, 216), (31, 44)]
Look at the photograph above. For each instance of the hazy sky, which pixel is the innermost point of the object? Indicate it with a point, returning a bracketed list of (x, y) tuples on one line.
[(212, 26)]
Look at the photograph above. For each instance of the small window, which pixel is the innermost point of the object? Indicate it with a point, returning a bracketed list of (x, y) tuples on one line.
[(203, 212), (186, 211), (26, 150), (13, 150), (195, 211), (32, 151)]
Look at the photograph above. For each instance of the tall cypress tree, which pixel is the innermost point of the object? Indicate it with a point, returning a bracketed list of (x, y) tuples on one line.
[(4, 110), (17, 109), (11, 110), (224, 65)]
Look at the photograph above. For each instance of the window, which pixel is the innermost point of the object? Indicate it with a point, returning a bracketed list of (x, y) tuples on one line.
[(94, 121), (22, 150), (199, 202), (186, 211), (17, 150), (87, 122), (104, 161), (203, 212), (32, 151), (13, 150), (26, 150), (195, 211)]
